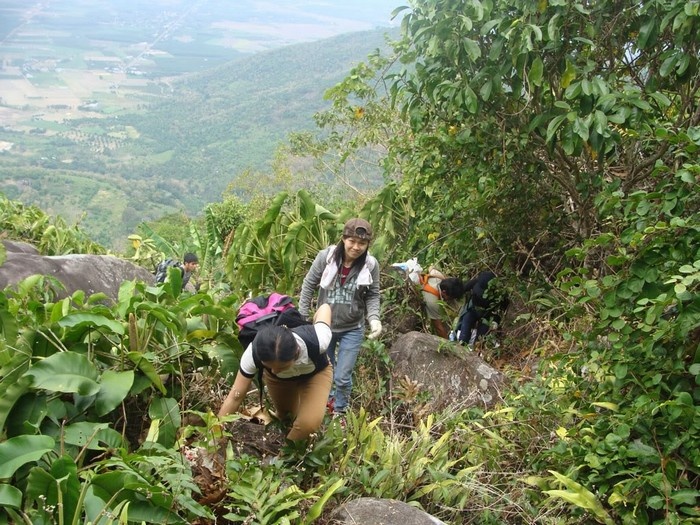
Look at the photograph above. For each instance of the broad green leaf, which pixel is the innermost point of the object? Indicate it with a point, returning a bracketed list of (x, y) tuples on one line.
[(567, 140), (579, 496), (601, 121), (536, 71), (65, 470), (641, 104), (143, 364), (569, 75), (273, 211), (147, 512), (44, 487), (581, 129), (114, 387), (661, 99), (685, 496), (324, 214), (95, 436), (317, 508), (29, 412), (472, 48), (639, 449), (99, 321), (20, 450), (553, 126), (109, 484), (216, 310), (169, 319), (485, 91), (8, 324), (196, 335), (307, 206), (125, 296), (173, 282), (60, 310), (226, 358), (167, 411), (65, 372), (10, 496), (553, 28), (656, 502), (683, 64), (95, 506), (10, 391), (647, 34)]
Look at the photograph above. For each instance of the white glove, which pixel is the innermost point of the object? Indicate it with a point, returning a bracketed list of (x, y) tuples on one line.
[(375, 328)]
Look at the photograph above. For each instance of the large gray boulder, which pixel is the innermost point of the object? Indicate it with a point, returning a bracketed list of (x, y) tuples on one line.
[(20, 247), (454, 376), (377, 511), (90, 273)]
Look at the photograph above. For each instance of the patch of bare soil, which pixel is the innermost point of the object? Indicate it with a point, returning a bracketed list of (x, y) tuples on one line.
[(250, 435)]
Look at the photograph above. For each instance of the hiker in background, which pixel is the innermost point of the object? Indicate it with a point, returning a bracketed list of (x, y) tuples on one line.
[(189, 264), (347, 279), (295, 372), (434, 301), (429, 284), (485, 305)]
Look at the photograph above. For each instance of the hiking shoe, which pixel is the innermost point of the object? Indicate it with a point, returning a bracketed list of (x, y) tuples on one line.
[(330, 406)]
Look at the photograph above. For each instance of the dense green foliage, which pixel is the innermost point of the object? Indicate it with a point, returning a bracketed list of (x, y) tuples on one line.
[(78, 379), (557, 142), (51, 236)]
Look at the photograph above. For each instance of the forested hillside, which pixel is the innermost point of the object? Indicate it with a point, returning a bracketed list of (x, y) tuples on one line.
[(184, 146), (554, 143)]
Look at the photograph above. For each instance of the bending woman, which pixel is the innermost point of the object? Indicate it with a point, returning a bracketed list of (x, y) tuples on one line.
[(296, 372)]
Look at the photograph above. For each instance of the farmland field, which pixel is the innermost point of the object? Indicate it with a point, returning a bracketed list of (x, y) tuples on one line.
[(68, 52), (158, 104)]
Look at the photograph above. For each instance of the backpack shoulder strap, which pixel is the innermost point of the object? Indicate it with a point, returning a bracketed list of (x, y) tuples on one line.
[(308, 334), (426, 287), (261, 371)]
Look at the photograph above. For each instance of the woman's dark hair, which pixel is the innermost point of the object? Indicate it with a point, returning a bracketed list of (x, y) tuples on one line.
[(275, 343), (453, 287), (339, 255)]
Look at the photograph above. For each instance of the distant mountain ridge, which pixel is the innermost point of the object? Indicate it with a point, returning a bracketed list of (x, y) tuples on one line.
[(183, 147), (227, 118)]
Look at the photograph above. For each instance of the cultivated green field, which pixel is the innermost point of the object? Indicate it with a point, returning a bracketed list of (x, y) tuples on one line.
[(160, 109)]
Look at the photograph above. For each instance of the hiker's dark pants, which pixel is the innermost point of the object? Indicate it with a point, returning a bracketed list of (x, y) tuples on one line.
[(479, 319), (301, 400)]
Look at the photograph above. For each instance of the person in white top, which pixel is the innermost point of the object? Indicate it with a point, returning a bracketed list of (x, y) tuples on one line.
[(297, 373)]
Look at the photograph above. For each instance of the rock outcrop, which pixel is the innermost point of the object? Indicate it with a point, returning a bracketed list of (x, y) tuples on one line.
[(90, 273), (377, 511), (453, 375)]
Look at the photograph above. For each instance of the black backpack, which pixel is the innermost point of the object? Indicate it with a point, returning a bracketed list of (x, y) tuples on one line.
[(265, 310), (162, 269)]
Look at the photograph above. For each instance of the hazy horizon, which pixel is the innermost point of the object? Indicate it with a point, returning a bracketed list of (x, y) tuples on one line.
[(247, 26)]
